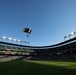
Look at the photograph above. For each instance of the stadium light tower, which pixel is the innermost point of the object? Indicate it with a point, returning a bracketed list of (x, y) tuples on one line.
[(19, 40), (4, 37), (15, 40), (65, 37), (75, 34), (69, 35), (10, 39), (72, 33)]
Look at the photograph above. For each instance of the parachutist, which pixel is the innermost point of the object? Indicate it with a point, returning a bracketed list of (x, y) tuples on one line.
[(27, 35), (28, 31)]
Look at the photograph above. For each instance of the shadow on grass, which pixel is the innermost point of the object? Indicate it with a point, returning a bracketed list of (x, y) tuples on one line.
[(32, 68)]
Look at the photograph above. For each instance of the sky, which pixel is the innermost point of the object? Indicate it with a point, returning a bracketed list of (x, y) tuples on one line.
[(50, 20)]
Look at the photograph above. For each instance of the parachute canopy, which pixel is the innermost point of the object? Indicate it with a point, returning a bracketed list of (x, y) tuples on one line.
[(27, 30)]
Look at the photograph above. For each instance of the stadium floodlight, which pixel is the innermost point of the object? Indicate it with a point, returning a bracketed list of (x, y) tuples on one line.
[(10, 38), (65, 36), (19, 40), (72, 33), (15, 40), (3, 37), (75, 34)]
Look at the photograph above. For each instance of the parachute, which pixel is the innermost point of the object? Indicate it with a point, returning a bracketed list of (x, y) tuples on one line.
[(28, 31)]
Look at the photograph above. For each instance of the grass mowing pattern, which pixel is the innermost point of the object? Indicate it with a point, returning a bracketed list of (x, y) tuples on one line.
[(38, 68)]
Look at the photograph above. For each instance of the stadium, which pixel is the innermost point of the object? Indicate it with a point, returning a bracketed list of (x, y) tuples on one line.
[(33, 37), (38, 60), (63, 50)]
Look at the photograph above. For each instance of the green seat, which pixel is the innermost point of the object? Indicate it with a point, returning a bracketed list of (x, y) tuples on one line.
[(26, 50), (14, 48), (23, 48), (19, 49), (8, 47), (2, 46)]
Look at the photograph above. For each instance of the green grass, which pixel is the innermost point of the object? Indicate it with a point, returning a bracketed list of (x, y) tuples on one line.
[(38, 68)]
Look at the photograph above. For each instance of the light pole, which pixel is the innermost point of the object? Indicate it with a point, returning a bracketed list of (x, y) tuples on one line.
[(75, 34), (72, 33), (65, 37), (14, 40), (69, 35)]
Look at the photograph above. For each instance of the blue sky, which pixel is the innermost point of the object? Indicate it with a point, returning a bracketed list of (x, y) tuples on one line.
[(50, 20)]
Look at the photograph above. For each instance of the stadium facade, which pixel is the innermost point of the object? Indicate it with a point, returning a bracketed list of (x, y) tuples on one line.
[(63, 50)]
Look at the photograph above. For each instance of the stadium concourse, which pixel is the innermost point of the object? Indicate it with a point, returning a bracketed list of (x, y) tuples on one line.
[(63, 50)]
